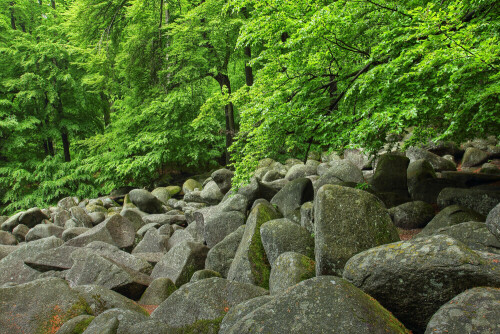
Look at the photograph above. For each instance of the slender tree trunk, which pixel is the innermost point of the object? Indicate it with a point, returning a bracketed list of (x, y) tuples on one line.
[(50, 144), (248, 68), (223, 80), (64, 133), (12, 18), (106, 111)]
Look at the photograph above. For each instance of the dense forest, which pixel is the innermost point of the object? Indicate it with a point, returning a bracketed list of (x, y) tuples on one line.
[(99, 94)]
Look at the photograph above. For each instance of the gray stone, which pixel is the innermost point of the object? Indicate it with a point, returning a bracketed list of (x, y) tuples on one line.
[(219, 225), (428, 190), (32, 217), (180, 263), (358, 158), (412, 214), (153, 242), (300, 171), (488, 168), (281, 235), (340, 171), (239, 311), (412, 279), (152, 326), (450, 216), (307, 216), (208, 299), (119, 257), (235, 202), (493, 221), (474, 234), (168, 230), (97, 217), (220, 257), (390, 174), (90, 268), (76, 324), (159, 290), (256, 189), (418, 171), (73, 232), (44, 231), (203, 274), (289, 269), (211, 194), (223, 179), (81, 216), (250, 264), (7, 238), (180, 236), (468, 179), (191, 185), (481, 201), (271, 175), (145, 201), (67, 203), (20, 232), (11, 223), (91, 208), (162, 194), (6, 250), (115, 230), (59, 218), (135, 216), (115, 321), (101, 299), (142, 231), (347, 221), (438, 163), (289, 199), (38, 306), (473, 157), (307, 308), (473, 311), (58, 258)]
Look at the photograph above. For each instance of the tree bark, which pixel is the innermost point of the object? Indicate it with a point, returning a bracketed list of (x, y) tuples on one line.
[(223, 80), (64, 133), (106, 111), (248, 68), (12, 18)]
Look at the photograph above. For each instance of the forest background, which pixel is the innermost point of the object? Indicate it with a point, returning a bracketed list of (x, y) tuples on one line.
[(99, 94)]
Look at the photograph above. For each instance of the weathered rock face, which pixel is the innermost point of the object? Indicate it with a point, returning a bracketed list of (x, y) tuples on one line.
[(289, 269), (181, 262), (67, 203), (281, 235), (239, 311), (390, 175), (44, 231), (347, 221), (145, 201), (41, 306), (418, 171), (223, 179), (473, 157), (493, 221), (310, 307), (220, 257), (473, 311), (219, 225), (340, 171), (32, 217), (450, 216), (250, 264), (115, 321), (204, 274), (412, 279), (7, 238), (162, 193), (204, 301), (152, 242), (438, 163), (293, 195), (211, 193), (481, 201), (412, 214), (159, 290), (298, 171)]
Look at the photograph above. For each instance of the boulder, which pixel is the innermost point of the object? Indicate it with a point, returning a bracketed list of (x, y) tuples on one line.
[(101, 299), (180, 263), (338, 172), (309, 307), (20, 232), (390, 174), (44, 231), (220, 257), (256, 189), (281, 235), (428, 190), (58, 258), (468, 179), (7, 238), (135, 216), (481, 201), (289, 199), (67, 203), (418, 171), (437, 162), (11, 222), (77, 324), (239, 311), (97, 217), (250, 264), (493, 221), (41, 306), (211, 193), (115, 321), (159, 290), (151, 326), (119, 257), (488, 168), (300, 171), (450, 216), (223, 179), (473, 311), (207, 300), (234, 202), (73, 232), (204, 274), (221, 224), (289, 269), (358, 158), (32, 217), (145, 201), (152, 242), (412, 215), (162, 194), (307, 216), (412, 279), (347, 221), (81, 216), (190, 185), (473, 157), (115, 230)]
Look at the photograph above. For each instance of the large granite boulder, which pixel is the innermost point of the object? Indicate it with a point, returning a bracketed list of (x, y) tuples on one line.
[(473, 157), (159, 290), (41, 306), (11, 222), (204, 301), (220, 257), (289, 269), (340, 171), (481, 201), (32, 217), (223, 179), (220, 224), (44, 231), (239, 311), (115, 321), (299, 171), (289, 199), (412, 214), (493, 221), (191, 185), (412, 279), (418, 171), (152, 242), (450, 216), (390, 174), (473, 311), (7, 238), (211, 193), (180, 263), (250, 264), (347, 221), (326, 304), (437, 162), (162, 194), (145, 201), (281, 235)]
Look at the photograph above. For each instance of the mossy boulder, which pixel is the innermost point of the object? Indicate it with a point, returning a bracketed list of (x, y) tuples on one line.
[(76, 325), (250, 264), (295, 193), (115, 321), (191, 185), (326, 304), (204, 302), (450, 216), (493, 221), (241, 310), (162, 194), (289, 269), (145, 201), (412, 279), (412, 214), (347, 222), (479, 200), (473, 157), (204, 274), (220, 257), (39, 307)]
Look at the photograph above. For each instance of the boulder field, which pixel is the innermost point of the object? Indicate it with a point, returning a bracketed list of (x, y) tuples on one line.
[(404, 243)]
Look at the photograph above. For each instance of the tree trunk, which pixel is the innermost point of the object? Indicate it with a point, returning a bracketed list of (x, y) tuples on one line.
[(248, 68), (223, 80), (65, 142), (12, 18), (106, 111)]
